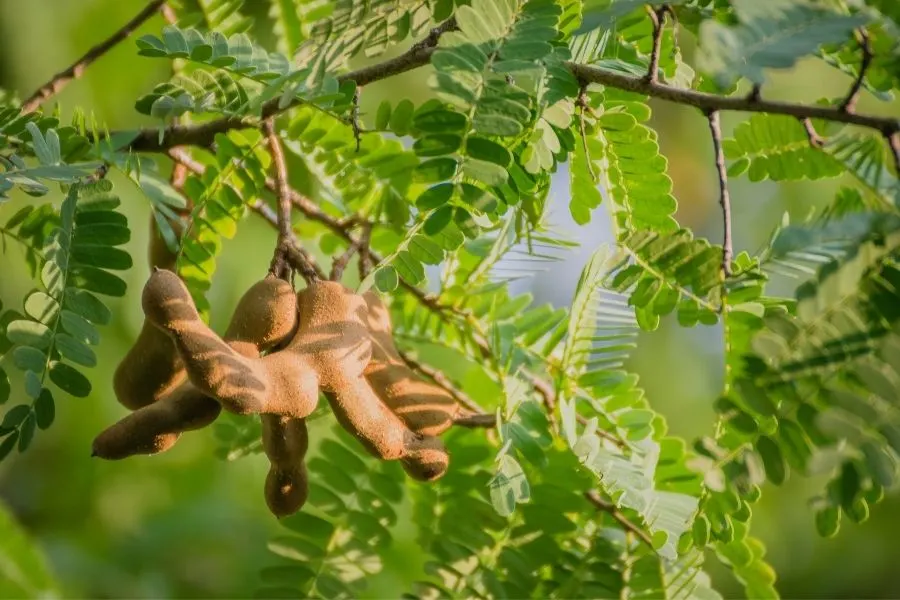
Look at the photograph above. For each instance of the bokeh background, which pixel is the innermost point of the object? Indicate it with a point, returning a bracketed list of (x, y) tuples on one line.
[(185, 524)]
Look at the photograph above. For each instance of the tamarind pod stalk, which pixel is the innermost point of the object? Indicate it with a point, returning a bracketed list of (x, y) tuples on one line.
[(285, 441)]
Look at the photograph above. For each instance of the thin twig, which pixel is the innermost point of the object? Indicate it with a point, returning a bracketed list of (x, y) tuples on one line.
[(893, 141), (354, 118), (658, 18), (365, 252), (296, 256), (340, 263), (76, 69), (442, 381), (613, 511), (815, 140), (755, 94), (302, 261), (715, 130), (280, 266), (849, 103), (476, 421)]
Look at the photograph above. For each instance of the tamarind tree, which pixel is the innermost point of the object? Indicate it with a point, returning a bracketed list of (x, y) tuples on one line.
[(549, 473)]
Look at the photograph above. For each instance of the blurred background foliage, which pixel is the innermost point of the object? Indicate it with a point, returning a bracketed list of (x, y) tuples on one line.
[(187, 524)]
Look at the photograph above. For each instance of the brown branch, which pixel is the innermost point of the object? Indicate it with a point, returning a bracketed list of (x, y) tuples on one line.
[(714, 102), (147, 140), (340, 263), (849, 103), (658, 18), (476, 421), (74, 71), (613, 511), (715, 130), (893, 141), (288, 253), (365, 251), (354, 118)]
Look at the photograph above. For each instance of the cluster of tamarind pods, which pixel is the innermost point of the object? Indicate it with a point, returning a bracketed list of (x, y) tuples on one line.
[(280, 350)]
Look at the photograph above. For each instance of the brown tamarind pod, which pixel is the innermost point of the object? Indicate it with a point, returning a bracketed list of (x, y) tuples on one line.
[(151, 368), (265, 317), (285, 441), (329, 351), (424, 407), (156, 427), (276, 384), (333, 336)]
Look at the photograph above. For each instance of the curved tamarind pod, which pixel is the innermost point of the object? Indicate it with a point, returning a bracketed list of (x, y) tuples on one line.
[(333, 336), (151, 368), (423, 406), (265, 316), (156, 427), (276, 384), (285, 440)]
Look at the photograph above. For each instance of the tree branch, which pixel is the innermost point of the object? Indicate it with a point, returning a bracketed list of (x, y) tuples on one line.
[(611, 509), (74, 71), (715, 130), (849, 104), (713, 102), (893, 141), (147, 140)]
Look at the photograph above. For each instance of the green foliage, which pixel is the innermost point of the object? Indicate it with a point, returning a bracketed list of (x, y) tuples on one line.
[(336, 543), (770, 35), (578, 489), (54, 338), (23, 569), (623, 158)]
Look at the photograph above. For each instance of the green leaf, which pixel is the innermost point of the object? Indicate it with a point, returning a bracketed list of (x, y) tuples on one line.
[(487, 150), (386, 279), (435, 196), (509, 486), (29, 333), (44, 409), (69, 380), (4, 386)]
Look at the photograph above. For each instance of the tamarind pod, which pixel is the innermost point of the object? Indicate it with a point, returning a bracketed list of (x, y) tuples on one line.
[(156, 427), (242, 385), (423, 406), (264, 317), (151, 368), (359, 410), (285, 441)]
